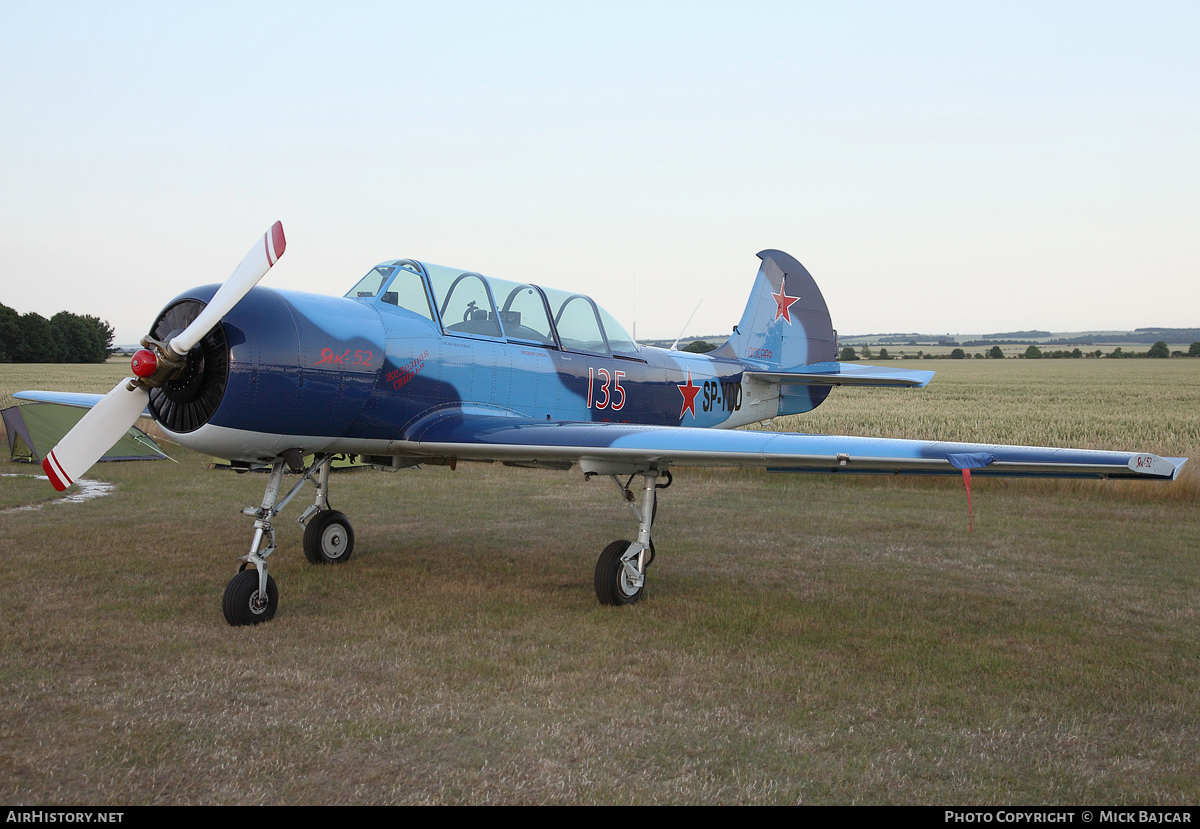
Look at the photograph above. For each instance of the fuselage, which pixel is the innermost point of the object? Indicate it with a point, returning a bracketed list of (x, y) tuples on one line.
[(366, 373)]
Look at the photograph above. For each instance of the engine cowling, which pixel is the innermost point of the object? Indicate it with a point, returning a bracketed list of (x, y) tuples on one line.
[(283, 363)]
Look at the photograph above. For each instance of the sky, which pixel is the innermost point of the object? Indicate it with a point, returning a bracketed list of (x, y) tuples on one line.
[(938, 167)]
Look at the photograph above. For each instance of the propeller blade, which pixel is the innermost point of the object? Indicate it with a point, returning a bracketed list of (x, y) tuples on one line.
[(95, 434), (109, 419), (254, 267)]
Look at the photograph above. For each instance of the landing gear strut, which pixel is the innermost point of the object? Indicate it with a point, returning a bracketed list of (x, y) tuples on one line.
[(252, 596), (621, 568)]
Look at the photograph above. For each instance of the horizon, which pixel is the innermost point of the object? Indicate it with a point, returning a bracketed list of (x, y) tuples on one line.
[(1030, 336), (999, 337)]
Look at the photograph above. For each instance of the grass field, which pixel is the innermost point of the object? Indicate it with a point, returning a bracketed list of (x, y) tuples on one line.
[(803, 639)]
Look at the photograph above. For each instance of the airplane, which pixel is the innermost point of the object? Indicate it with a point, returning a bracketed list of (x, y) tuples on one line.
[(423, 364)]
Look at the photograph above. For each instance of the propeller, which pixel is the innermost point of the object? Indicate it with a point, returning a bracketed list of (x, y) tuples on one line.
[(154, 364)]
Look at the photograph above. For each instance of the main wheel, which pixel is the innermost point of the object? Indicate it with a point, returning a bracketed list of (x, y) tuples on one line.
[(243, 605), (613, 585), (328, 538)]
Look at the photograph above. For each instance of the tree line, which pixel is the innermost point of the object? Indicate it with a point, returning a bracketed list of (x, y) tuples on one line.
[(1159, 349), (64, 338)]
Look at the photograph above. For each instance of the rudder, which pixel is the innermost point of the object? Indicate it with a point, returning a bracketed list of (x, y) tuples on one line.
[(786, 322)]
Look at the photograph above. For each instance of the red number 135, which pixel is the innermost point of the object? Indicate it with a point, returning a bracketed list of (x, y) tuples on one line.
[(616, 398)]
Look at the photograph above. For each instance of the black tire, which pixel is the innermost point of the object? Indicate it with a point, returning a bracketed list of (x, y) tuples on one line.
[(241, 604), (328, 538), (612, 586)]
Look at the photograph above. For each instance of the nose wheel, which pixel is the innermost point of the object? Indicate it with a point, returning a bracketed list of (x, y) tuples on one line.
[(247, 601)]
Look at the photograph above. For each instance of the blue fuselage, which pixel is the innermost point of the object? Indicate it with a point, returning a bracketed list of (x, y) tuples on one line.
[(323, 373)]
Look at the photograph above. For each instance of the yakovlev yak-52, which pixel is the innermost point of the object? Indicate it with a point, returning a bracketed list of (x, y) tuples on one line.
[(425, 364)]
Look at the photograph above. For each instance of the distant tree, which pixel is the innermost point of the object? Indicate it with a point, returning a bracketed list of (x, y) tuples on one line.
[(1116, 352), (699, 347), (866, 352), (1076, 354), (106, 333), (1159, 349), (883, 354), (848, 354), (978, 356), (10, 333), (81, 339), (65, 338), (37, 343), (72, 338), (996, 353), (1033, 353), (958, 354), (1194, 350)]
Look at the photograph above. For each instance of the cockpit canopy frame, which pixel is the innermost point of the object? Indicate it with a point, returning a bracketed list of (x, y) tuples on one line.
[(469, 304)]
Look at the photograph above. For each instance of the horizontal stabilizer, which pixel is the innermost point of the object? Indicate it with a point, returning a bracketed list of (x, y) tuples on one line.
[(844, 374)]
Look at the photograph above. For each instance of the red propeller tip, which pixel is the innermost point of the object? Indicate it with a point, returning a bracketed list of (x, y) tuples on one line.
[(278, 242), (59, 481), (144, 363)]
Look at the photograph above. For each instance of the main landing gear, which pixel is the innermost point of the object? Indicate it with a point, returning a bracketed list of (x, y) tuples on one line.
[(328, 538), (621, 568), (251, 597)]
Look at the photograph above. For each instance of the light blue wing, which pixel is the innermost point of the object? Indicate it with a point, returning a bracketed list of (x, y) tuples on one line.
[(614, 444)]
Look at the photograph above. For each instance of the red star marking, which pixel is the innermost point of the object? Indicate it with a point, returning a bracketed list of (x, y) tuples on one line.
[(689, 396), (783, 302)]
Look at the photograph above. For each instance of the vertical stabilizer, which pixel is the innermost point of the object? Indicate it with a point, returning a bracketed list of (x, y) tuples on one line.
[(786, 322), (785, 326)]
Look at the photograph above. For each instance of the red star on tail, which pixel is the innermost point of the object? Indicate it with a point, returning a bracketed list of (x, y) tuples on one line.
[(783, 302), (689, 396)]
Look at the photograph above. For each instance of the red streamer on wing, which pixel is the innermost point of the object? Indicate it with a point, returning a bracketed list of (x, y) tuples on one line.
[(970, 515)]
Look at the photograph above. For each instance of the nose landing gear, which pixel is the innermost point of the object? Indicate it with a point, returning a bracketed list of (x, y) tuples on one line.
[(252, 596)]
